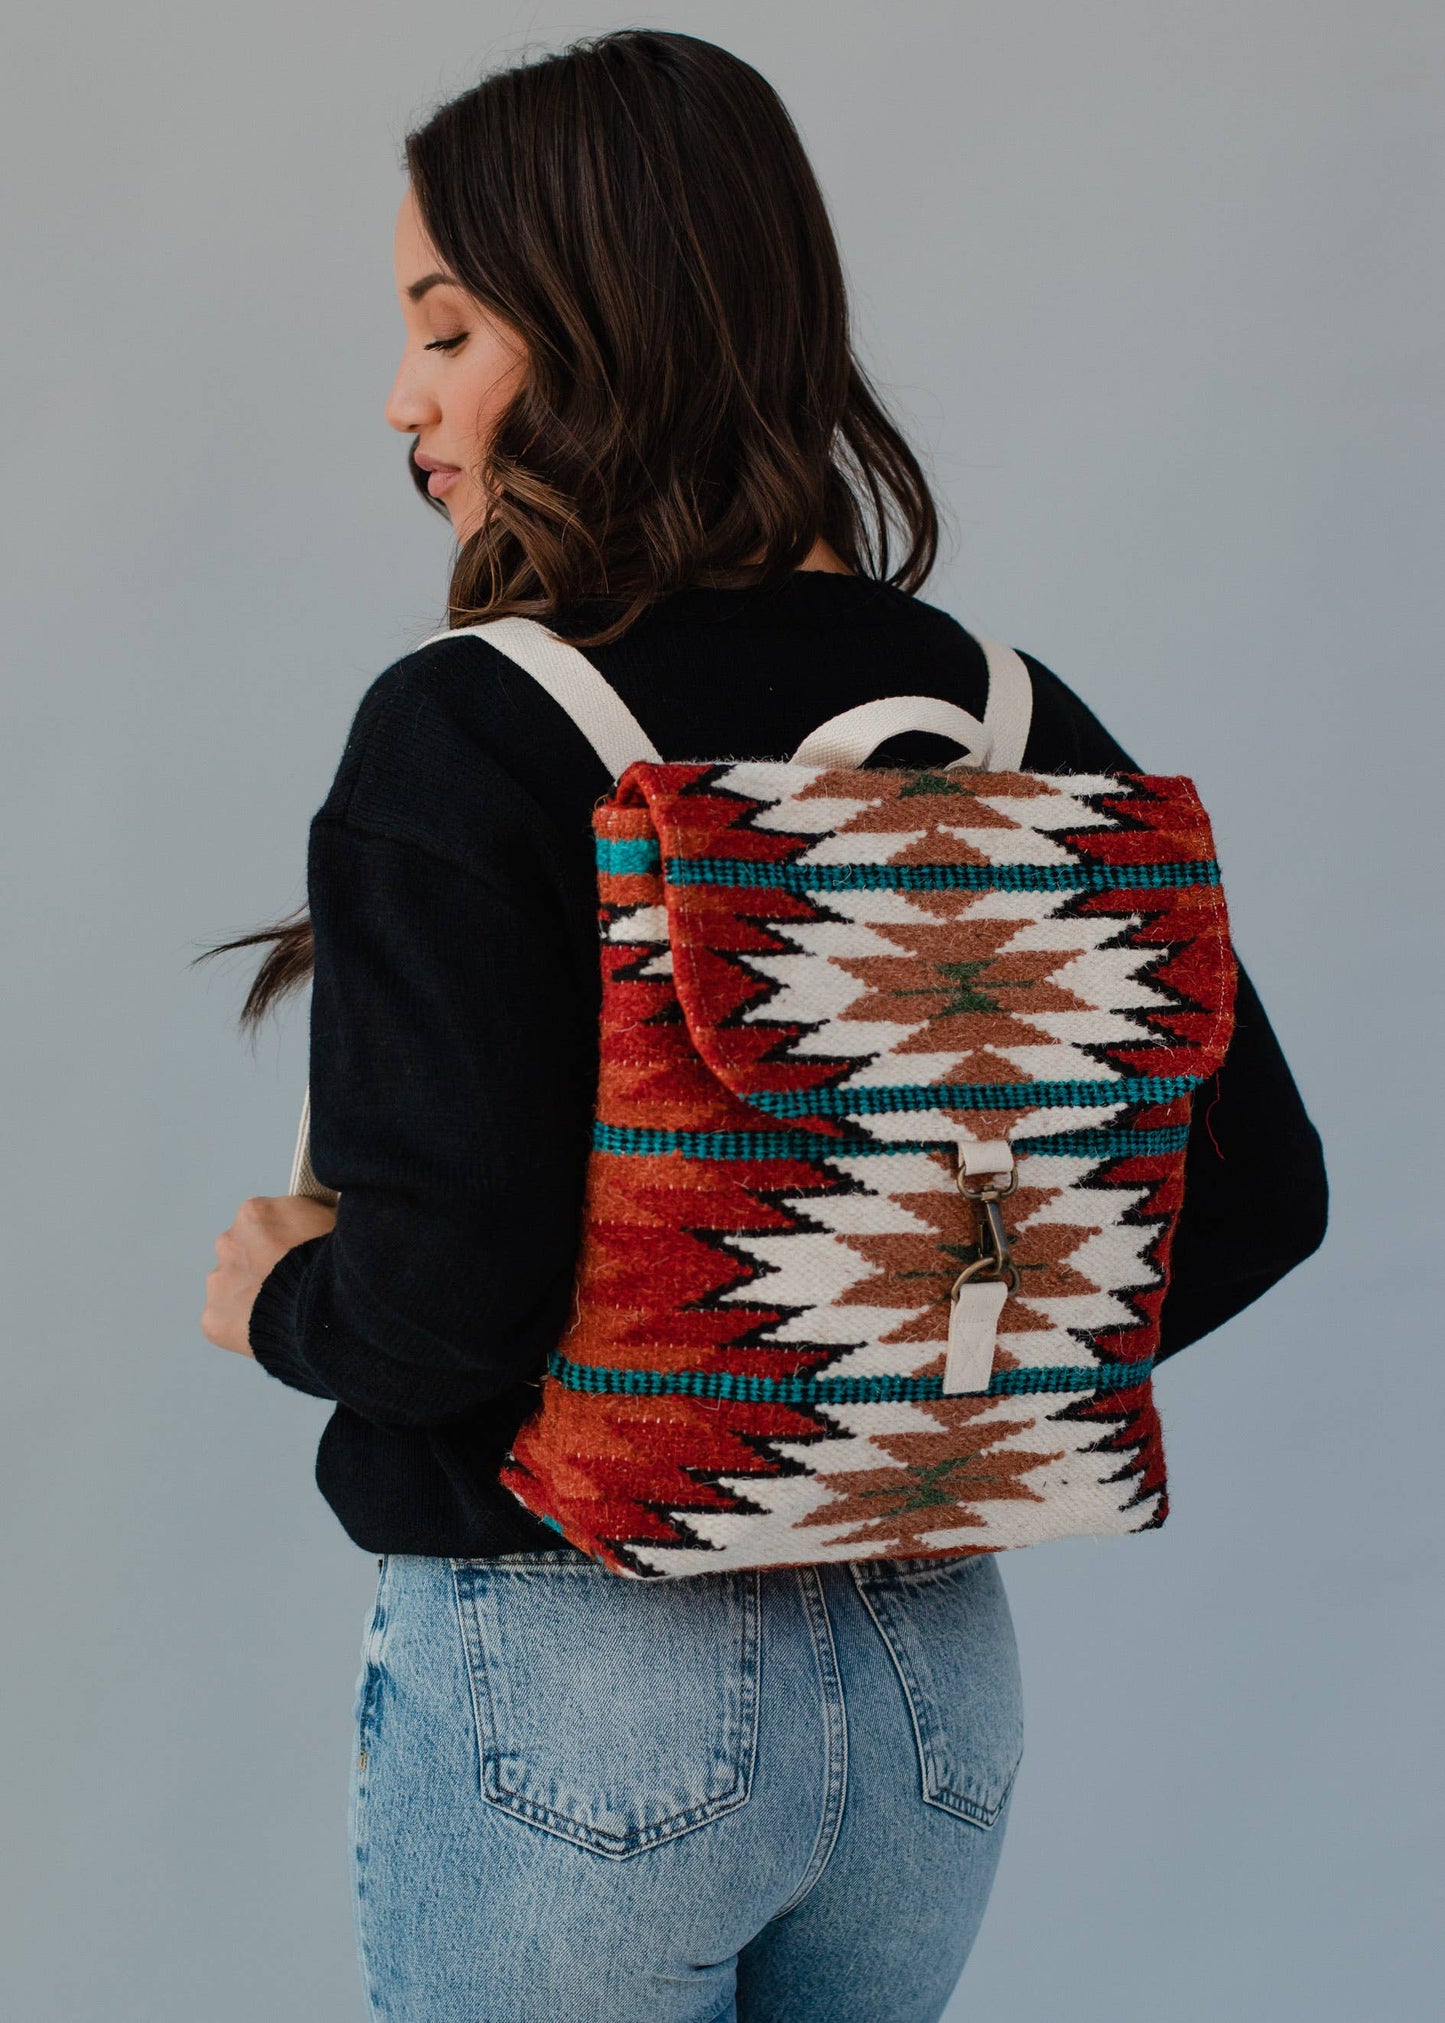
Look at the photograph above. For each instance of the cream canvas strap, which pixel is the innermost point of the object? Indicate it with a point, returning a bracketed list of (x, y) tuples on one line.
[(598, 711), (589, 699), (996, 744), (303, 1180), (573, 683), (850, 739)]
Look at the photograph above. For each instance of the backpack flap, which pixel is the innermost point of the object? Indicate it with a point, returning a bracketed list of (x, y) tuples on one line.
[(858, 951)]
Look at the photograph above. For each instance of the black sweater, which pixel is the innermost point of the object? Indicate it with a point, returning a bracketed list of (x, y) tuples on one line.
[(453, 1029)]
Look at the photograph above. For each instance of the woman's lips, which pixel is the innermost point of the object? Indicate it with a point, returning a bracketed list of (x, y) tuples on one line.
[(440, 477)]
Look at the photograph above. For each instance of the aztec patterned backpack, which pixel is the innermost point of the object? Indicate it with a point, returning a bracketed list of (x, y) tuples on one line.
[(896, 1073)]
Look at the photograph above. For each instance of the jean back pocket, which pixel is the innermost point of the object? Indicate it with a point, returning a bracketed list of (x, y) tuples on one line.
[(616, 1713), (947, 1626)]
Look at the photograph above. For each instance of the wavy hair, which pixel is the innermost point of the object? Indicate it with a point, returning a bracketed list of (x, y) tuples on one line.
[(640, 210)]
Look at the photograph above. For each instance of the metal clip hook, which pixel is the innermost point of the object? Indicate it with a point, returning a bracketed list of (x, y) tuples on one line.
[(995, 1259)]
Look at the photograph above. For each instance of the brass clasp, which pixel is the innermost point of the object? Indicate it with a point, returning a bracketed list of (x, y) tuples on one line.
[(995, 1260)]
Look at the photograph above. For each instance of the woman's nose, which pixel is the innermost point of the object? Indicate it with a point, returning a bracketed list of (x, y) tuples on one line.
[(409, 407)]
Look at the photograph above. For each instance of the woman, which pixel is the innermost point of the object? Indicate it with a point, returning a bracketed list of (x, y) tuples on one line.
[(628, 381)]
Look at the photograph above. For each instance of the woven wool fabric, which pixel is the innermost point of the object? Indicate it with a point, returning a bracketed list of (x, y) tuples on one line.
[(816, 985)]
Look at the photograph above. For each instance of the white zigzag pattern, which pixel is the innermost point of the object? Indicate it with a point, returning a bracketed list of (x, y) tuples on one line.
[(1076, 1491), (812, 988), (808, 1271), (1060, 808), (637, 924), (812, 1269)]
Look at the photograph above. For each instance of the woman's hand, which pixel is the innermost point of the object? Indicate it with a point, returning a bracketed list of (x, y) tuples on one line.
[(265, 1228)]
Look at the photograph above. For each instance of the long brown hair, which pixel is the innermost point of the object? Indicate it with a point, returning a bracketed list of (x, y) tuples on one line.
[(640, 210)]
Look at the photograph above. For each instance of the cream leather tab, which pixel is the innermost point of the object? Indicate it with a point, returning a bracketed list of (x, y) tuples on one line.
[(972, 1332), (977, 1156)]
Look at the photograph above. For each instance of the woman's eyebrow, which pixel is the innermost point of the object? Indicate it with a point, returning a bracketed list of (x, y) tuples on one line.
[(419, 288)]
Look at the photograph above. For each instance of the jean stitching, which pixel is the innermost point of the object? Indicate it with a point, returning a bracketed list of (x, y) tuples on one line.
[(558, 1558), (931, 1789), (825, 1652), (750, 1692), (483, 1725), (908, 1683), (612, 1846), (909, 1572), (363, 1951)]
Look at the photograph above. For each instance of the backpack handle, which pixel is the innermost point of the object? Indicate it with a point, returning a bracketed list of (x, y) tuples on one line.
[(997, 743), (852, 738)]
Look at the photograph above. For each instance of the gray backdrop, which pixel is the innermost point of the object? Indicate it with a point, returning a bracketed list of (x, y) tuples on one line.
[(1157, 287)]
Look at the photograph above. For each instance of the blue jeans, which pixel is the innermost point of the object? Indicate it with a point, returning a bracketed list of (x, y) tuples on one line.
[(742, 1797)]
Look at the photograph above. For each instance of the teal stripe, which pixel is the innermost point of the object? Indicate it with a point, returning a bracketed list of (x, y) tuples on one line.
[(804, 1390), (887, 1100), (1107, 1144), (627, 856), (736, 871), (754, 1145), (736, 1144)]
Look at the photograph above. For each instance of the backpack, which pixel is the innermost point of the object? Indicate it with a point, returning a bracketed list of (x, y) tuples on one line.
[(896, 1071)]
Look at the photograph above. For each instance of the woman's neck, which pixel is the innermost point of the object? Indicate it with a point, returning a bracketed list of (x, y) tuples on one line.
[(821, 556)]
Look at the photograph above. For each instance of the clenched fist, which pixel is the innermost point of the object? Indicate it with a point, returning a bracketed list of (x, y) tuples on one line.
[(265, 1228)]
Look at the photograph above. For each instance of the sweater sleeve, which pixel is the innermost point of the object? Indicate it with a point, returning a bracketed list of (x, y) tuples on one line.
[(452, 1080), (1255, 1193)]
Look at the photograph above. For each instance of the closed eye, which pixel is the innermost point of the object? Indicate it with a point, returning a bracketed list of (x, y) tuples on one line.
[(446, 343)]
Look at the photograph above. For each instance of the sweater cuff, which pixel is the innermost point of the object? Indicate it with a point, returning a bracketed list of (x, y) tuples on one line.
[(276, 1328)]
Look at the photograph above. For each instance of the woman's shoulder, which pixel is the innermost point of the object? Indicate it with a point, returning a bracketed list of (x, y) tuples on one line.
[(451, 746), (453, 742)]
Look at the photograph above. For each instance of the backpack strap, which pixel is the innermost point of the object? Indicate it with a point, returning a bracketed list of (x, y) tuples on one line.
[(588, 698), (601, 715), (1010, 707), (303, 1180), (618, 739), (573, 683), (997, 743)]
